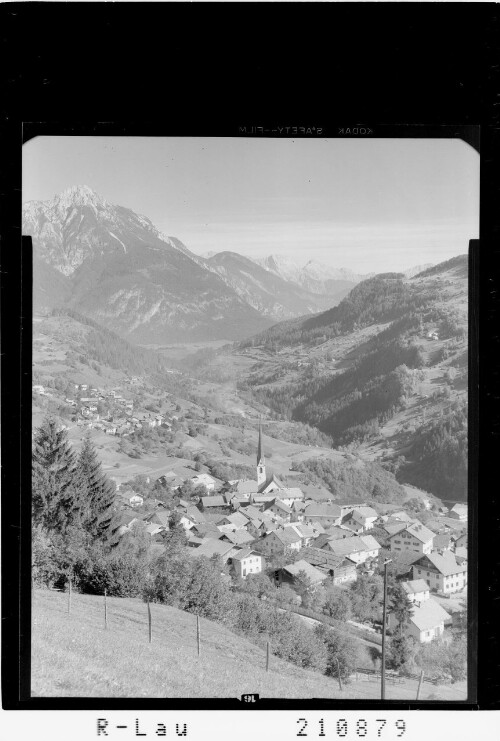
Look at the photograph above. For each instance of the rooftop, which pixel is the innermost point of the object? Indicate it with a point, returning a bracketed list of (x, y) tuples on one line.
[(428, 614)]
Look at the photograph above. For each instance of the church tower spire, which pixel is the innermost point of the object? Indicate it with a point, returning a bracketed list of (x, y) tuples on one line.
[(261, 461)]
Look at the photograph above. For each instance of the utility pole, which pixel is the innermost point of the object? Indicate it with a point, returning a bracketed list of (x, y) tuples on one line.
[(382, 673)]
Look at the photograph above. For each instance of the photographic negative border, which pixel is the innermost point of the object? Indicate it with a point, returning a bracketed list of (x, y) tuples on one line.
[(469, 134)]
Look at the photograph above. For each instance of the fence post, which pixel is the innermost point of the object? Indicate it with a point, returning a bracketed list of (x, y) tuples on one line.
[(149, 622), (267, 657), (340, 678), (198, 634), (69, 595), (105, 612), (420, 683)]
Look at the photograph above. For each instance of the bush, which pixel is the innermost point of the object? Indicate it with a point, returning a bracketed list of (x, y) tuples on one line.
[(342, 652), (293, 641), (122, 575)]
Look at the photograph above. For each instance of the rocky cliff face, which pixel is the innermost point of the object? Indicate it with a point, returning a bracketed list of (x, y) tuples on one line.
[(129, 276)]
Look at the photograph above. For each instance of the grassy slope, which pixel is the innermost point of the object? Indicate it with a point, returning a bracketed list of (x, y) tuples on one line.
[(73, 656)]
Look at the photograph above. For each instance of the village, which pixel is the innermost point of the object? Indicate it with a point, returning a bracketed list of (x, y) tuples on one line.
[(251, 525)]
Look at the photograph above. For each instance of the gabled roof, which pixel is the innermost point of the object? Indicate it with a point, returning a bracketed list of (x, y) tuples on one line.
[(325, 559), (336, 532), (370, 542), (428, 615), (364, 512), (251, 512), (238, 519), (247, 486), (282, 506), (415, 586), (216, 501), (420, 532), (208, 530), (290, 493), (349, 545), (272, 479), (445, 563), (459, 508), (313, 574), (244, 553), (322, 510), (195, 515), (392, 528), (211, 547), (239, 537), (287, 536), (305, 531)]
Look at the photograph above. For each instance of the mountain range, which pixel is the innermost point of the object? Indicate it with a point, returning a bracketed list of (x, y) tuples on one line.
[(113, 265)]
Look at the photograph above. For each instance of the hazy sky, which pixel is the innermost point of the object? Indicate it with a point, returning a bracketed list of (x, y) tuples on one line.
[(371, 205)]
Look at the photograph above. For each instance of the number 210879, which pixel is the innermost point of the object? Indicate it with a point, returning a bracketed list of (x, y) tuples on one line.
[(361, 728)]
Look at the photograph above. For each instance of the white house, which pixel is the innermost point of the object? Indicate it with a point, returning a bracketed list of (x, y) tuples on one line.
[(415, 537), (416, 590), (441, 572), (458, 512), (203, 479), (247, 561), (427, 621), (361, 516)]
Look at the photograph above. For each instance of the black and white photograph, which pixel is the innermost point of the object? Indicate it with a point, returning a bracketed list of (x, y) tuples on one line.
[(250, 375)]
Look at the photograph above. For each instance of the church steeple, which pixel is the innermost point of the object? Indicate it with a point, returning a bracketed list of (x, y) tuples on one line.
[(261, 461)]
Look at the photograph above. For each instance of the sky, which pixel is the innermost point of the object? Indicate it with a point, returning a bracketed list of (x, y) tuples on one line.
[(369, 205)]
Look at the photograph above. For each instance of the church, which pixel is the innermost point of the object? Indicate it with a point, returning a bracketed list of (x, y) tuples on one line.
[(265, 484)]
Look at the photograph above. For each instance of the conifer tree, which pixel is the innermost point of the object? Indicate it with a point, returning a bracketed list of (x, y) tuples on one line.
[(55, 481), (97, 492), (400, 606)]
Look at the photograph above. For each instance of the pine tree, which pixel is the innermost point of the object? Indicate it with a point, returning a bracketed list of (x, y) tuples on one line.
[(97, 492), (400, 606), (55, 483)]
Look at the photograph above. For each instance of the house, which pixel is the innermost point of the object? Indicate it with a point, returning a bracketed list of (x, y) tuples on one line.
[(461, 540), (415, 537), (416, 590), (131, 499), (461, 555), (279, 541), (363, 517), (206, 530), (330, 514), (290, 495), (238, 537), (212, 547), (246, 561), (159, 517), (401, 515), (245, 487), (203, 479), (458, 512), (306, 532), (124, 522), (338, 532), (291, 572), (215, 501), (280, 509), (441, 571), (427, 621), (153, 529), (358, 548), (339, 569), (442, 542)]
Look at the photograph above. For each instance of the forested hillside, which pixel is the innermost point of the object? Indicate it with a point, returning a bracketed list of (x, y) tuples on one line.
[(381, 371)]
